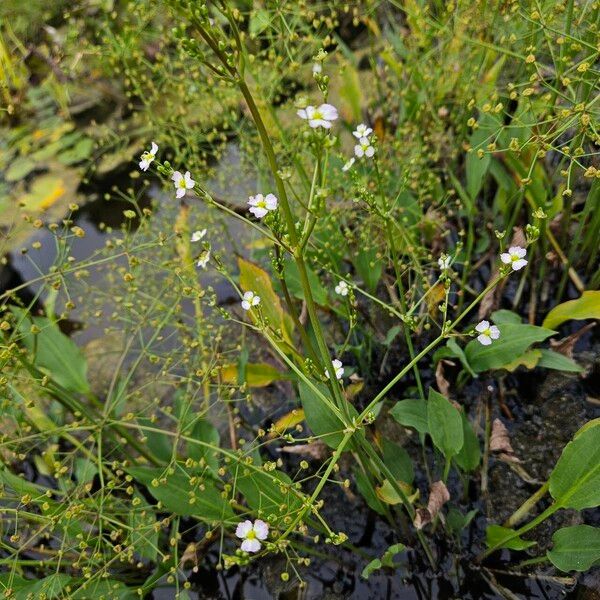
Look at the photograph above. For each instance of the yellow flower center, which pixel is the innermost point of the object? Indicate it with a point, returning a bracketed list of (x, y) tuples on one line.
[(514, 258), (251, 535), (261, 204), (181, 183), (317, 115)]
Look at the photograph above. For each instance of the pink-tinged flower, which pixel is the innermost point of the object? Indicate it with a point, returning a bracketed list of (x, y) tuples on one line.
[(252, 534), (250, 299), (182, 183), (515, 257), (260, 205), (322, 116), (147, 157), (487, 333)]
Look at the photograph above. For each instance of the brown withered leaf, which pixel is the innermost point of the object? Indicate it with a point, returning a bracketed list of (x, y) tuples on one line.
[(566, 345), (317, 450), (500, 440), (438, 496), (442, 382), (189, 556)]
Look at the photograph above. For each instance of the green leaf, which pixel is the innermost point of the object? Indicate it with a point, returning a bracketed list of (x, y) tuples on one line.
[(103, 589), (271, 494), (176, 493), (323, 421), (503, 316), (553, 360), (468, 457), (53, 352), (255, 374), (204, 431), (411, 413), (587, 306), (387, 560), (514, 340), (259, 21), (475, 167), (496, 534), (85, 470), (575, 480), (351, 93), (144, 536), (456, 521), (369, 268), (253, 278), (79, 152), (366, 490), (49, 587), (398, 461), (575, 548), (445, 424), (292, 278), (19, 169)]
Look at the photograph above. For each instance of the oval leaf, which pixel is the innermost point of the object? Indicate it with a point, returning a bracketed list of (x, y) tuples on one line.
[(575, 548), (445, 424)]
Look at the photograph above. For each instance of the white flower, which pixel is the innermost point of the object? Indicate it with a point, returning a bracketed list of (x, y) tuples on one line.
[(364, 148), (342, 288), (204, 258), (317, 68), (348, 165), (182, 183), (322, 116), (514, 257), (252, 533), (338, 367), (261, 205), (444, 262), (487, 333), (362, 131), (250, 300), (148, 157), (198, 235)]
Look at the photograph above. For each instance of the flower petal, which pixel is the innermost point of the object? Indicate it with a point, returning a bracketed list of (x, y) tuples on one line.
[(251, 545), (328, 111), (484, 339), (482, 326), (243, 529), (506, 258), (261, 529)]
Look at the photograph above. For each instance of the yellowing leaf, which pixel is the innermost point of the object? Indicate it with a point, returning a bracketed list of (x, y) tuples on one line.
[(587, 306), (289, 420), (528, 359), (435, 297), (256, 375), (253, 278), (45, 191), (386, 493)]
